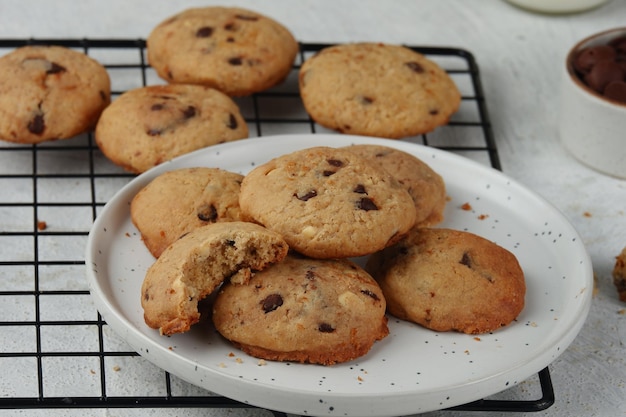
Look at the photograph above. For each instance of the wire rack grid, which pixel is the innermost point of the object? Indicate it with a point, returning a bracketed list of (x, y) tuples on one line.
[(55, 349)]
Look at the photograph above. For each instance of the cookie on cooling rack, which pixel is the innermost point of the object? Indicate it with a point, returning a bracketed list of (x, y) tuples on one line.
[(425, 186), (147, 126), (303, 310), (177, 202), (446, 280), (235, 50), (327, 202), (191, 268), (49, 93), (376, 89)]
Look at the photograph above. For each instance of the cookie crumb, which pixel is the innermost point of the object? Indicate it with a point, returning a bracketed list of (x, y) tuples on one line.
[(262, 362), (116, 368), (587, 214), (466, 206), (483, 216), (621, 311), (42, 225)]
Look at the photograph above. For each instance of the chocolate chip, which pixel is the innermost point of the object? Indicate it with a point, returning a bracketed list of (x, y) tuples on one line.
[(157, 107), (146, 296), (433, 112), (325, 328), (307, 196), (328, 173), (370, 294), (230, 39), (366, 204), (232, 122), (365, 100), (204, 32), (37, 124), (616, 90), (465, 260), (189, 112), (55, 68), (360, 189), (602, 74), (248, 18), (154, 132), (335, 162), (415, 67), (235, 61), (271, 302), (207, 213), (231, 26), (310, 275), (230, 242), (589, 57)]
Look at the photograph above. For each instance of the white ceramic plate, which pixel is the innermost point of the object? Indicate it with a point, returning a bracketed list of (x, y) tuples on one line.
[(413, 370)]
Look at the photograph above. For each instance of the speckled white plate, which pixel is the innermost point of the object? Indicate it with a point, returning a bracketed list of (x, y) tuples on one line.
[(413, 370)]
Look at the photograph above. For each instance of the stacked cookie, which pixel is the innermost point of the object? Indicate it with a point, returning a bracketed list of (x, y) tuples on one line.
[(314, 304)]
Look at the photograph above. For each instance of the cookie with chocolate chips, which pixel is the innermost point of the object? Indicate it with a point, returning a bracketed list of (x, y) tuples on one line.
[(49, 93), (446, 280), (376, 89), (234, 50), (303, 310), (147, 126), (328, 202), (425, 186), (191, 268), (177, 202)]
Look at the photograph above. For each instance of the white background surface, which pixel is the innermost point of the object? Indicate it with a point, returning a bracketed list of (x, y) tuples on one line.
[(520, 55)]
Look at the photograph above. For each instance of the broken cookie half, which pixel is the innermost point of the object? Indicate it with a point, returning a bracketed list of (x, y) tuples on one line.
[(191, 268)]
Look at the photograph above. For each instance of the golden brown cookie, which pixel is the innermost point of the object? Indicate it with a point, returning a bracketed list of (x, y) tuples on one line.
[(377, 89), (619, 274), (304, 310), (425, 186), (234, 50), (49, 93), (147, 126), (328, 202), (177, 202), (446, 279), (191, 268)]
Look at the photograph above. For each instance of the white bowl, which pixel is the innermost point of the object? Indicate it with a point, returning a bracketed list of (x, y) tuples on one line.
[(592, 127), (558, 6)]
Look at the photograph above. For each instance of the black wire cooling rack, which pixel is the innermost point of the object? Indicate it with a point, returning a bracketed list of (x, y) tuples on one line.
[(60, 188)]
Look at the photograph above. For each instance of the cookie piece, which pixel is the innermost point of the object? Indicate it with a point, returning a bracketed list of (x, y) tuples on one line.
[(448, 280), (303, 310), (179, 201), (49, 93), (147, 126), (235, 50), (425, 186), (619, 274), (191, 268), (376, 89), (327, 202)]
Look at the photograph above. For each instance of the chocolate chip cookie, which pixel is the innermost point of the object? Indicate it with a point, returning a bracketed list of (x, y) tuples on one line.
[(303, 310), (191, 268), (376, 89), (49, 93), (234, 50), (179, 201), (147, 126), (425, 186), (446, 280), (328, 202)]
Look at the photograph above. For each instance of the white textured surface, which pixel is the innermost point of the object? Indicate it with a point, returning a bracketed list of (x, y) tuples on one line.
[(520, 56)]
